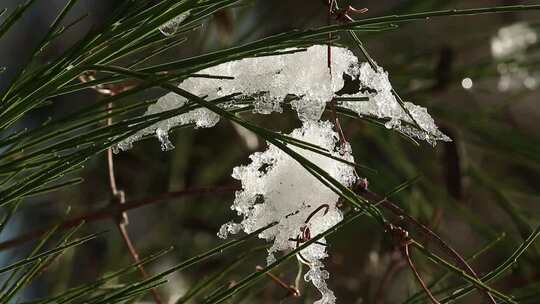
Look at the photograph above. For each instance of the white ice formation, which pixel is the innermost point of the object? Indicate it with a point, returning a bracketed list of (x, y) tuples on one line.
[(269, 80), (375, 85), (276, 188)]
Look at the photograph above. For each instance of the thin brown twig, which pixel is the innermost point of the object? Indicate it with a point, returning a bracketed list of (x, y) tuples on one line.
[(112, 211), (394, 208), (332, 8), (393, 268), (118, 195), (122, 220), (402, 238), (335, 119), (292, 290), (343, 16), (329, 50), (405, 250)]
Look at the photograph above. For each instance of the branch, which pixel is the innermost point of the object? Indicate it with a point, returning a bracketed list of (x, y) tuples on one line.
[(394, 208), (407, 255), (112, 211)]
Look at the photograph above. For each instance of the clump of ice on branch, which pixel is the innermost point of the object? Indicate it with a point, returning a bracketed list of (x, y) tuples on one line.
[(382, 103), (270, 80), (201, 118), (277, 189)]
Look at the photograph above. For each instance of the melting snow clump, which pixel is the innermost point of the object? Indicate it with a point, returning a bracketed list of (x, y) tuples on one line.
[(277, 189), (300, 78), (201, 118), (509, 46), (270, 79)]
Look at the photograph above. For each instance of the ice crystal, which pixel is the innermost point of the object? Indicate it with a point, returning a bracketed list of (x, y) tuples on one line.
[(171, 27), (318, 277), (277, 189), (298, 77), (229, 228), (381, 103), (201, 118)]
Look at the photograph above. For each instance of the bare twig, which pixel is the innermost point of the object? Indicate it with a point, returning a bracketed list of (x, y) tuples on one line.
[(405, 249), (397, 263), (402, 238), (335, 119), (330, 4), (122, 220), (335, 12), (292, 290), (394, 208), (342, 15), (119, 195), (112, 211)]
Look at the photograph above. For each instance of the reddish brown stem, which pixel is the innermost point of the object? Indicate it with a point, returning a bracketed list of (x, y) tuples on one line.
[(335, 119), (394, 208), (329, 20), (343, 15), (393, 268), (113, 211), (405, 249), (122, 220), (292, 291)]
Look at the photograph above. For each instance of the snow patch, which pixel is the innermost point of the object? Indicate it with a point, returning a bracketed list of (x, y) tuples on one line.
[(277, 189)]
